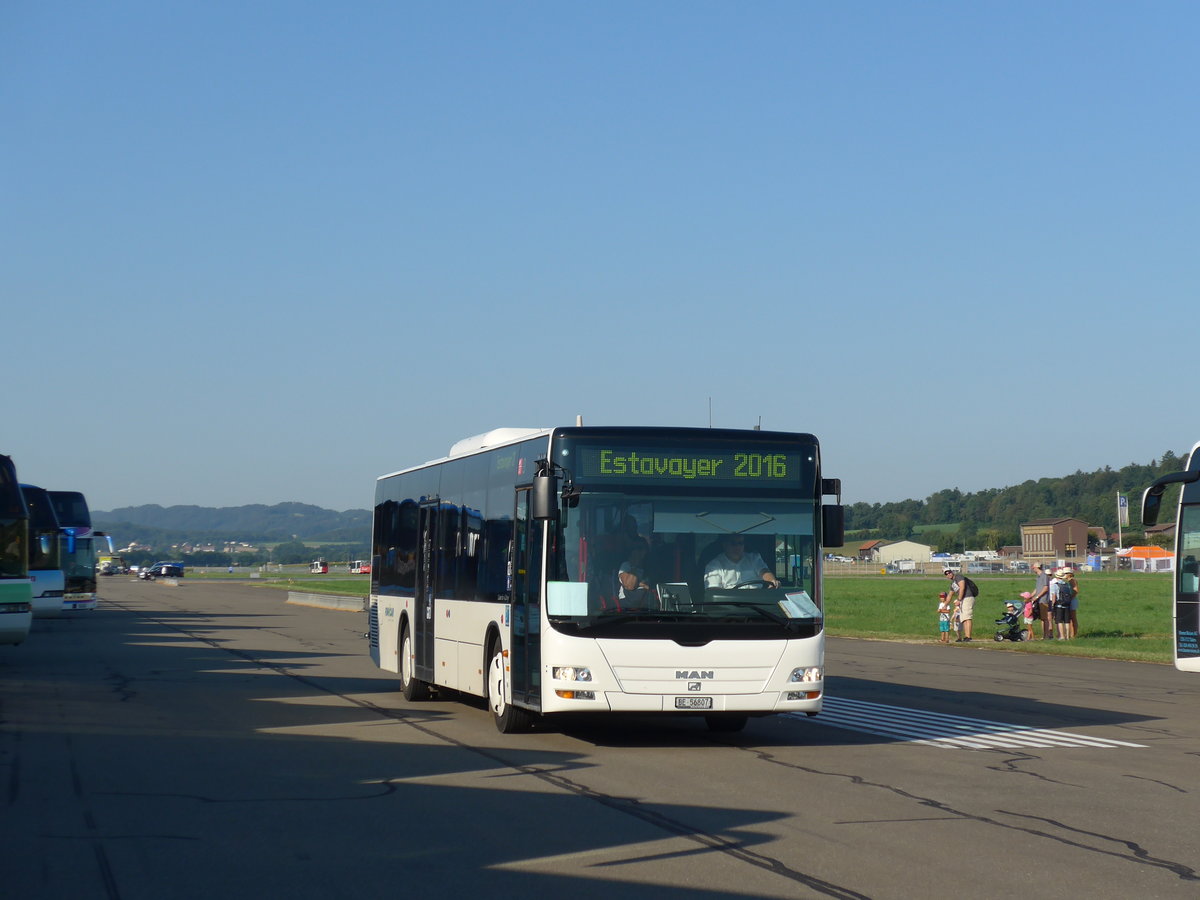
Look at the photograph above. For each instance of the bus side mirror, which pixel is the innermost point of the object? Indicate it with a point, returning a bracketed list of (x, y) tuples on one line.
[(1151, 504), (1152, 498), (833, 525), (545, 497)]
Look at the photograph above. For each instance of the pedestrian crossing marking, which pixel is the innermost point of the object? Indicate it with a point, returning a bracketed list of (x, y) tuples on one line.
[(947, 731)]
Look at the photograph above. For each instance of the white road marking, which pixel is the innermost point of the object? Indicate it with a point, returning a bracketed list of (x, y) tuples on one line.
[(946, 731)]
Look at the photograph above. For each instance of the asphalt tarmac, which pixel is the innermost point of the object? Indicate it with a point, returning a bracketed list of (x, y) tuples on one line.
[(211, 740)]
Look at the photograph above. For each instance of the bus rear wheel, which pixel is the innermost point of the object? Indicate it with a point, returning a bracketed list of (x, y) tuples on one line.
[(508, 718), (412, 687)]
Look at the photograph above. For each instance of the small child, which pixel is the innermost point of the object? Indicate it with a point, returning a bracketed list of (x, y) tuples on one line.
[(956, 620), (943, 618), (1027, 614)]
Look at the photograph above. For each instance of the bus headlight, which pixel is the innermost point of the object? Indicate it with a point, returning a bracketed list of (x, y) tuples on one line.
[(807, 674), (571, 673)]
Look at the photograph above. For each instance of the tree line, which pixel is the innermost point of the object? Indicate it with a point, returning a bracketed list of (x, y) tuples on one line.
[(953, 520)]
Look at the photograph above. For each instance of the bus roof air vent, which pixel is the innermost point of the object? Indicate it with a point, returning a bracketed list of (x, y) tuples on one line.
[(493, 438)]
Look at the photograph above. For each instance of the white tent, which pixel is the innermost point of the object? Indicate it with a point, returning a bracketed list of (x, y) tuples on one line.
[(1149, 559)]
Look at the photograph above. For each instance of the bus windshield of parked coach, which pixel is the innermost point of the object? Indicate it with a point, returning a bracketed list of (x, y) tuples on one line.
[(645, 558)]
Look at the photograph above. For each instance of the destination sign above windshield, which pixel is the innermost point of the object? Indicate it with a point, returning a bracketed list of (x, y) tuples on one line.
[(676, 466)]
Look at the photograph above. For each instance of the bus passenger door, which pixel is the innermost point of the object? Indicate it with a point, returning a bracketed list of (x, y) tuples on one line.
[(423, 625), (525, 654)]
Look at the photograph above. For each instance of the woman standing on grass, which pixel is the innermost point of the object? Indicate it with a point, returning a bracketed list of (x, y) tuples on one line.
[(1060, 604), (1070, 579)]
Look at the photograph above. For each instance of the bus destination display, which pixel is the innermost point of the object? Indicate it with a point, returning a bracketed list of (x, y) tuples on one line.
[(717, 466)]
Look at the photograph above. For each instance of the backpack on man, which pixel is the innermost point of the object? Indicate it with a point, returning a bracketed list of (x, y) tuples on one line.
[(972, 589)]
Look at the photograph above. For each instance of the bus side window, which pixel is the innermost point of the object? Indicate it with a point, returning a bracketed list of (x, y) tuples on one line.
[(1189, 576)]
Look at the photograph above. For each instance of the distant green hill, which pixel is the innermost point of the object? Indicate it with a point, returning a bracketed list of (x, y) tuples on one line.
[(256, 523)]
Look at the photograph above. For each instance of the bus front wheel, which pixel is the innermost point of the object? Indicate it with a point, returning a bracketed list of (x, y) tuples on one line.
[(412, 687), (508, 718)]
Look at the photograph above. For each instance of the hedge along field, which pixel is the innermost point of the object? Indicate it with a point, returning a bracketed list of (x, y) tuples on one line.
[(1122, 615)]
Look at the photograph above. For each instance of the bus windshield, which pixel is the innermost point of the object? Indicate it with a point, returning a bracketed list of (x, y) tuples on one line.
[(79, 564), (743, 563), (14, 524), (43, 554), (718, 538)]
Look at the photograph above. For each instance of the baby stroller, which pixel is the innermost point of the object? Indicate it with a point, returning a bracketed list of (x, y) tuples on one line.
[(1011, 629)]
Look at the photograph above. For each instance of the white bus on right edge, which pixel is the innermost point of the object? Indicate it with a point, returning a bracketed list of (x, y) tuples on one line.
[(1187, 556)]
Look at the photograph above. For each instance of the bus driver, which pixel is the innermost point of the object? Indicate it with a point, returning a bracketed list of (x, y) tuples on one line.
[(735, 566)]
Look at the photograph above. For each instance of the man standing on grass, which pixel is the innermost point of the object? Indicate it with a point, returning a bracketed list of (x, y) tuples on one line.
[(963, 590), (1041, 601)]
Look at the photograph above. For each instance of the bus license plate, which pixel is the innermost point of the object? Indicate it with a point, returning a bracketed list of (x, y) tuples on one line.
[(693, 702)]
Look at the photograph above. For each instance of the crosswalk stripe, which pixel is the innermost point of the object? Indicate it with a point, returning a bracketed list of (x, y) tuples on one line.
[(947, 731)]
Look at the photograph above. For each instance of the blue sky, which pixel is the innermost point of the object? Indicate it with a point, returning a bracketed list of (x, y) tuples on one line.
[(267, 251)]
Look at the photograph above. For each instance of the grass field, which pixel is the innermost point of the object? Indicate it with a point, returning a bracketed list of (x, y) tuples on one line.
[(292, 578), (1121, 615), (347, 586)]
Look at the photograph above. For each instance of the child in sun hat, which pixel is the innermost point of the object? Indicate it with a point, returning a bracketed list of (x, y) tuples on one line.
[(1027, 614), (944, 609)]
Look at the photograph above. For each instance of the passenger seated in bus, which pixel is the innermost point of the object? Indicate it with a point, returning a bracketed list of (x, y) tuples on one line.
[(634, 591), (734, 566)]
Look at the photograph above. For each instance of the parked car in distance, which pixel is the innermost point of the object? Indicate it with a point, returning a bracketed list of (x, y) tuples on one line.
[(161, 570)]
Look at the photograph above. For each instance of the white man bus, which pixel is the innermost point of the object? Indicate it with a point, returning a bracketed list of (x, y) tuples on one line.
[(497, 571)]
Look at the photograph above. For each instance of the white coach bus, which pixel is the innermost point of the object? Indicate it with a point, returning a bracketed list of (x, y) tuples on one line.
[(1187, 556)]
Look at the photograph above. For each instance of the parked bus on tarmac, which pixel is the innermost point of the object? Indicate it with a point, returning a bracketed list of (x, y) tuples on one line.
[(78, 549), (45, 555), (496, 572), (1186, 592), (111, 564), (16, 590)]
